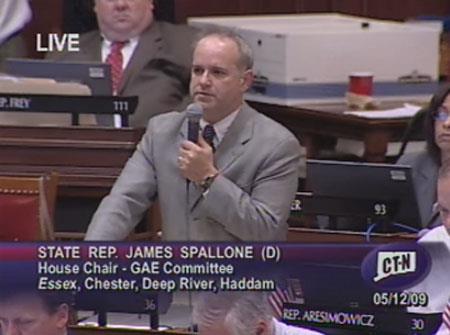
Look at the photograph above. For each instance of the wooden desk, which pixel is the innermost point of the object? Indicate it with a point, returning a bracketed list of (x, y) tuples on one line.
[(310, 123), (88, 160)]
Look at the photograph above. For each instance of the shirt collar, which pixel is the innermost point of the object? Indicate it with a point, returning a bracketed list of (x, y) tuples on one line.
[(221, 126), (127, 50), (131, 41)]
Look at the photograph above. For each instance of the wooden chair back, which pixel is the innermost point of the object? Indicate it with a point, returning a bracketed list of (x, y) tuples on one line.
[(27, 207)]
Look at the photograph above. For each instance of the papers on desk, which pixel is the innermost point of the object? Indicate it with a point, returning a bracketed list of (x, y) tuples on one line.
[(406, 111)]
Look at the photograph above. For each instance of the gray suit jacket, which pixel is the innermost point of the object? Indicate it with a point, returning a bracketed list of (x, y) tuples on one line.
[(250, 200), (158, 71), (425, 175)]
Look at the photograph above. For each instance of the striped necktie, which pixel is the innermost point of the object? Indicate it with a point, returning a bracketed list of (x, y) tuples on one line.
[(115, 59), (208, 135)]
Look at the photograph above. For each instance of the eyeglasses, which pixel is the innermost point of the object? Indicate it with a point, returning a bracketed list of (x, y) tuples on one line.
[(441, 114)]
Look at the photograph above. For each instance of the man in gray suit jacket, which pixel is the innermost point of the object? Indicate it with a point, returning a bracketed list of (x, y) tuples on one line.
[(156, 55), (241, 191)]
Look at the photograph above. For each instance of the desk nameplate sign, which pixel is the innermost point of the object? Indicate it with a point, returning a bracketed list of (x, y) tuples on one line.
[(123, 106)]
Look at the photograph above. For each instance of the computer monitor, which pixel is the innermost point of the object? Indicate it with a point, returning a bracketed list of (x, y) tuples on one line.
[(383, 191), (96, 75)]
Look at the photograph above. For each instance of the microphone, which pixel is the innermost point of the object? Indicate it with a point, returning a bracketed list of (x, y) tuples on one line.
[(194, 113)]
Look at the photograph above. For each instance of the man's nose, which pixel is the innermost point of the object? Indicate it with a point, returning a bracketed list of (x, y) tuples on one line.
[(121, 4), (204, 78)]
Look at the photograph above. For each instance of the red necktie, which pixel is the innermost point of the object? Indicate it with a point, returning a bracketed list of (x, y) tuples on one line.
[(115, 59)]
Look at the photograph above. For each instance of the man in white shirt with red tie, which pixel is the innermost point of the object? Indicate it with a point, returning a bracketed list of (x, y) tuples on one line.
[(150, 59)]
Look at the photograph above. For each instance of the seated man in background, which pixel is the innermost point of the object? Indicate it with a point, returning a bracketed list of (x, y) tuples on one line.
[(441, 233), (239, 313), (149, 59), (30, 312), (14, 15), (437, 242), (235, 184)]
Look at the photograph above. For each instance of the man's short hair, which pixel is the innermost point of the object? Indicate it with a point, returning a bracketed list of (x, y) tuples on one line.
[(245, 51), (50, 300), (239, 312)]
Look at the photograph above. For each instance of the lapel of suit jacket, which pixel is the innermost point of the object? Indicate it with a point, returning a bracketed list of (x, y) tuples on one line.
[(150, 42), (233, 143)]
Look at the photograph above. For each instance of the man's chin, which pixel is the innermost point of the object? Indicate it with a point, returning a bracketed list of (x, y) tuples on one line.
[(118, 35), (203, 98), (205, 103)]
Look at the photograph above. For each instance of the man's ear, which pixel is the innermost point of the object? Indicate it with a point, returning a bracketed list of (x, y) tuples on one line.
[(263, 328), (247, 80), (62, 316)]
